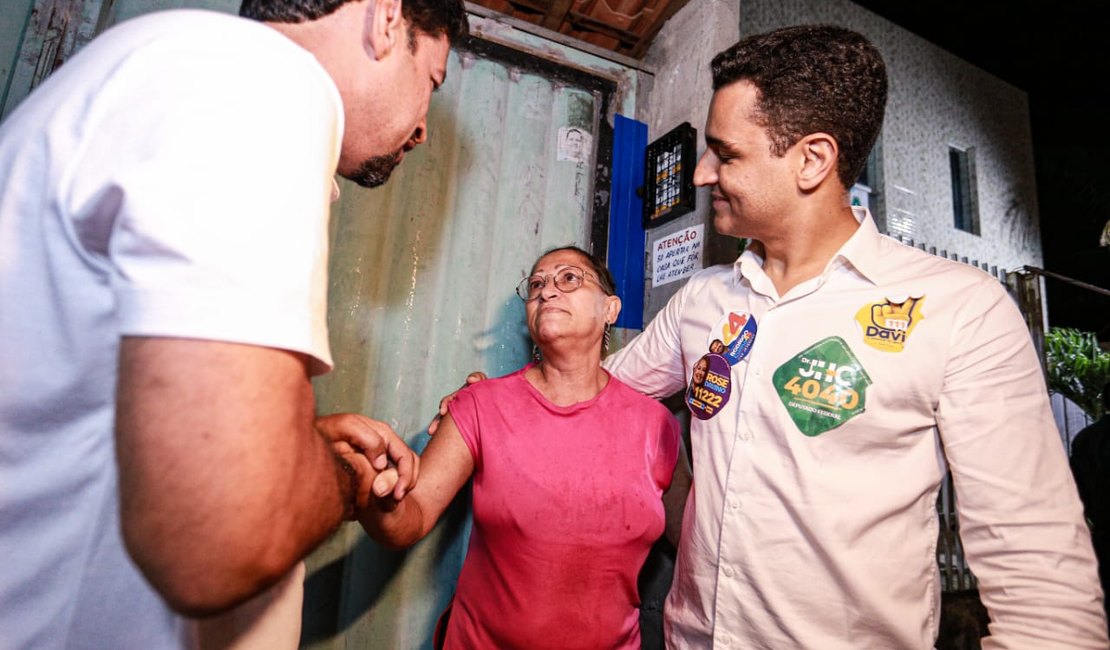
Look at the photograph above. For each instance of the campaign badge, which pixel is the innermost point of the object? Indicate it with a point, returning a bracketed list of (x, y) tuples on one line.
[(886, 325), (823, 386), (710, 386), (733, 336)]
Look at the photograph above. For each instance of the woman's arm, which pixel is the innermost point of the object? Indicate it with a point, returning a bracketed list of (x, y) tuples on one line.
[(674, 499), (445, 466)]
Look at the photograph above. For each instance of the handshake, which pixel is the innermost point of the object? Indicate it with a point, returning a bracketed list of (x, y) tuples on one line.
[(380, 468)]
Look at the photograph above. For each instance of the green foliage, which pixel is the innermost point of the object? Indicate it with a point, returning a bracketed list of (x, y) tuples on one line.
[(1077, 367)]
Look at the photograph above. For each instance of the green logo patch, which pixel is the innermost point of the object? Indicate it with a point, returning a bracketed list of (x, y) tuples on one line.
[(823, 386)]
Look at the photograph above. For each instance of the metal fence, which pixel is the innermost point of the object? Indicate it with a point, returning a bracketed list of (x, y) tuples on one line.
[(987, 267), (955, 575)]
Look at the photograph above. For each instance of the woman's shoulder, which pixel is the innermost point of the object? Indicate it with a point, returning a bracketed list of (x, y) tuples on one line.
[(495, 385)]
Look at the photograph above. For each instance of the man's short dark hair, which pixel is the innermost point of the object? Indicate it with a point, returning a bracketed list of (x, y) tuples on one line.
[(430, 17), (813, 79)]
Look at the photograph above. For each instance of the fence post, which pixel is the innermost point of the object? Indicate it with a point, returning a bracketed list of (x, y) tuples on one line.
[(1027, 290)]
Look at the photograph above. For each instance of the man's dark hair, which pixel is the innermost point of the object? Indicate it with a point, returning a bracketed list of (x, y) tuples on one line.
[(813, 79), (430, 17), (604, 276)]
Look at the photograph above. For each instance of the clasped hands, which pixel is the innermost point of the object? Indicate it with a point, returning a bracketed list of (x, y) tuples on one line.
[(384, 469)]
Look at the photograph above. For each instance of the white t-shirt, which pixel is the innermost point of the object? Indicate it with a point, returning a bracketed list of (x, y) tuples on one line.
[(817, 436), (172, 179)]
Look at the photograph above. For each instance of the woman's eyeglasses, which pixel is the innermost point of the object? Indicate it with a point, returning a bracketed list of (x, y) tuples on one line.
[(567, 279)]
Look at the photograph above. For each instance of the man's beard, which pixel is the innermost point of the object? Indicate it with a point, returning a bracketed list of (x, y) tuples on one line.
[(375, 171)]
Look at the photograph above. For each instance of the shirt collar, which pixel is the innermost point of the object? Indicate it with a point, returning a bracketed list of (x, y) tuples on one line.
[(861, 251)]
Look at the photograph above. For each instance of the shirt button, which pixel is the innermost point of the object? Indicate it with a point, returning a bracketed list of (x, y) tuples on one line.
[(728, 571), (734, 504), (726, 640), (745, 435), (757, 370)]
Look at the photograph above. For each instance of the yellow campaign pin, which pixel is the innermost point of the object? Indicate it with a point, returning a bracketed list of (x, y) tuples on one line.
[(888, 324)]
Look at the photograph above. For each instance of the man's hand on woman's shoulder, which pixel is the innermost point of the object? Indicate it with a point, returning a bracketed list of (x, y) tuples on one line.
[(472, 378)]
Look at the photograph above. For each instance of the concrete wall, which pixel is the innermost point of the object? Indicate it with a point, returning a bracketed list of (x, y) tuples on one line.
[(681, 91)]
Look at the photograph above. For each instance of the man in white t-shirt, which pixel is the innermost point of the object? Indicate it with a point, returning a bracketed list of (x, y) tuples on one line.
[(163, 245)]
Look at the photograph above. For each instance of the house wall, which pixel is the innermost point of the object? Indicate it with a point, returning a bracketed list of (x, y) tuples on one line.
[(681, 90)]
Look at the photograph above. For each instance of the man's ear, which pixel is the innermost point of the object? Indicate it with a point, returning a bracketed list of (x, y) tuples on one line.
[(385, 28), (819, 157)]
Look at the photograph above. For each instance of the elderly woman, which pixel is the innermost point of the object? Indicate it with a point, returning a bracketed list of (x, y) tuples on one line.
[(575, 477)]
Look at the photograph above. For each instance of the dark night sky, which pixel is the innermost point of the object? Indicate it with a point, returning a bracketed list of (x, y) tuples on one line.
[(1059, 53)]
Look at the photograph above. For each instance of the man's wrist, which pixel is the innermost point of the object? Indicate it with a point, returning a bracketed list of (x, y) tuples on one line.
[(348, 488)]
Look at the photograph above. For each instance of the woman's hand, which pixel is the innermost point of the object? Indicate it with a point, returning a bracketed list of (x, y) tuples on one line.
[(380, 462)]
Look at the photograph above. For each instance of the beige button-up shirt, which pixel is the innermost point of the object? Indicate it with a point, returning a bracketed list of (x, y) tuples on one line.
[(812, 522)]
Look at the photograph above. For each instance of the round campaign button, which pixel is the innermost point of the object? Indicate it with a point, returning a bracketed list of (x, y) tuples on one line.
[(710, 386), (733, 336)]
